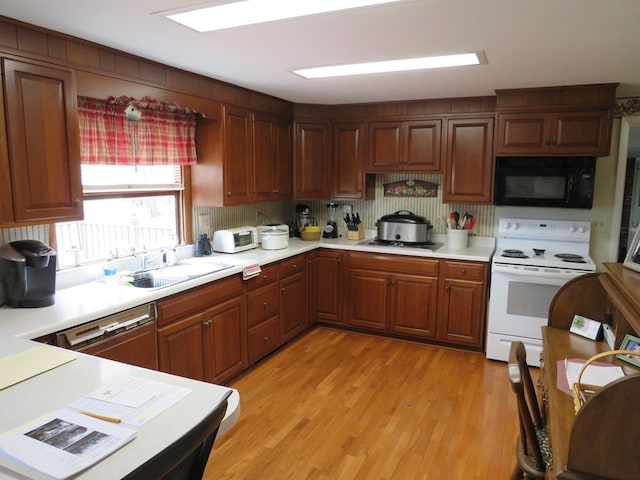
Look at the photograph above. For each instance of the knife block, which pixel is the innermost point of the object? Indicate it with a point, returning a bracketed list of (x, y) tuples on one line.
[(356, 234)]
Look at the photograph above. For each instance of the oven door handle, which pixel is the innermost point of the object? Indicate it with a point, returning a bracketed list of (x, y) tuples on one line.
[(522, 271)]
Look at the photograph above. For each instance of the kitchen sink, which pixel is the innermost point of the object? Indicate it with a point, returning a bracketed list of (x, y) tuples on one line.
[(166, 276)]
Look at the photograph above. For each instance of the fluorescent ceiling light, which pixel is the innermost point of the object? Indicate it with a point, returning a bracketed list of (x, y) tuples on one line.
[(458, 60), (248, 12)]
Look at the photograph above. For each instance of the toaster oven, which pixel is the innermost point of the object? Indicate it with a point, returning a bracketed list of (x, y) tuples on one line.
[(234, 240)]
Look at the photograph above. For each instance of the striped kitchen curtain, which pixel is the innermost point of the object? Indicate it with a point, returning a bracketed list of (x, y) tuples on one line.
[(126, 131)]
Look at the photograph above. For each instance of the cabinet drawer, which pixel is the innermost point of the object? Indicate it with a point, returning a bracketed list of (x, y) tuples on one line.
[(394, 263), (262, 304), (263, 340), (292, 265), (269, 274), (465, 270), (198, 298)]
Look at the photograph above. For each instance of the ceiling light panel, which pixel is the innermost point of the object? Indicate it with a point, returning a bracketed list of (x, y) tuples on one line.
[(386, 66), (248, 12)]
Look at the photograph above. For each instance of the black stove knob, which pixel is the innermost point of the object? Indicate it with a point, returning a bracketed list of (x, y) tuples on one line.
[(397, 236)]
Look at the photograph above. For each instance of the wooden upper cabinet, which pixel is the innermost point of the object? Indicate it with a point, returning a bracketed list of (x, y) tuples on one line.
[(349, 179), (404, 145), (272, 158), (312, 171), (566, 133), (553, 121), (243, 157), (238, 155), (469, 165), (43, 142)]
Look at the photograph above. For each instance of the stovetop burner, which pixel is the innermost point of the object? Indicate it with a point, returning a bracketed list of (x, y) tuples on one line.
[(571, 257), (513, 253)]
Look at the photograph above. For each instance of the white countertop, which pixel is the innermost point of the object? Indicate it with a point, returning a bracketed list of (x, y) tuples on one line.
[(90, 300), (57, 388)]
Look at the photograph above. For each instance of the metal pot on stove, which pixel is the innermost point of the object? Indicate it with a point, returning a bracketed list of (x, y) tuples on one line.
[(404, 226)]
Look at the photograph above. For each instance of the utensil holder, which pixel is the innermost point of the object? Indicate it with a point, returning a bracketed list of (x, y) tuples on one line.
[(457, 239), (356, 234)]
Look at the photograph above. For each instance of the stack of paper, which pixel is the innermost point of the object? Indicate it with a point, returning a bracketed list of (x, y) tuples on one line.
[(61, 445), (596, 375)]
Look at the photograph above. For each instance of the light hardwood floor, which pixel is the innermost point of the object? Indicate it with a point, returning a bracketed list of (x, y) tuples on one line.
[(336, 405)]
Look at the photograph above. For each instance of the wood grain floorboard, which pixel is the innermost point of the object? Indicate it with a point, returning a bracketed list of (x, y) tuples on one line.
[(336, 405)]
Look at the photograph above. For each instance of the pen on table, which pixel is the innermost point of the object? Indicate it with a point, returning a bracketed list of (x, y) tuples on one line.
[(102, 417)]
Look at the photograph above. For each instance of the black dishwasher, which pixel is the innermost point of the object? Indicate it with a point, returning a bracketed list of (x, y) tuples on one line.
[(128, 336)]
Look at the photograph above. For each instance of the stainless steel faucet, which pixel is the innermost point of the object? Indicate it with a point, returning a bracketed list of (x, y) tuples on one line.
[(146, 260)]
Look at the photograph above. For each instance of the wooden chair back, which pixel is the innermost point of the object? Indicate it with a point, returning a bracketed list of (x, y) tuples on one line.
[(186, 458), (529, 452)]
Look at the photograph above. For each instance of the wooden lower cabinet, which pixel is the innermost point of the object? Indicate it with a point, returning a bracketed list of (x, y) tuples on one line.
[(463, 303), (392, 293), (324, 276), (431, 299), (293, 297), (202, 332)]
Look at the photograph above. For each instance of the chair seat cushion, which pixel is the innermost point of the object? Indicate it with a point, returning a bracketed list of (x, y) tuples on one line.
[(545, 447)]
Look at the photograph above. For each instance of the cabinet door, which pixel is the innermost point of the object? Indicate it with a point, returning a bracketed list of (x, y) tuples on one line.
[(461, 317), (587, 133), (311, 161), (414, 305), (522, 133), (348, 160), (385, 146), (284, 160), (6, 198), (136, 347), (422, 145), (265, 167), (469, 165), (181, 347), (238, 163), (327, 289), (43, 141), (368, 305), (293, 306), (225, 341)]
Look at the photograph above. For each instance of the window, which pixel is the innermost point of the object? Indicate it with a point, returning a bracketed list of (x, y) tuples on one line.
[(126, 209), (132, 157)]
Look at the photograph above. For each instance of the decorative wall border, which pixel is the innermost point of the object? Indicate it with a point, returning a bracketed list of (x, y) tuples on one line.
[(627, 106)]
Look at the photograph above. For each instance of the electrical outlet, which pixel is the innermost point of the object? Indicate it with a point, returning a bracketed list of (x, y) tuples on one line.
[(598, 225)]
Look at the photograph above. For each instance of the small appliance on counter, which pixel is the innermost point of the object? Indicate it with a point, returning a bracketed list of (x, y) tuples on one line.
[(404, 226), (331, 228), (234, 240), (273, 236), (28, 273), (304, 219), (203, 246)]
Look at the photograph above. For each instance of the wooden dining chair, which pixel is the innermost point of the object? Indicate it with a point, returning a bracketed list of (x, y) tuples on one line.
[(186, 458), (532, 448)]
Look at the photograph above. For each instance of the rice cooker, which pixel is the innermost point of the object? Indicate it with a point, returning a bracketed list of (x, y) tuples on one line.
[(273, 237), (404, 226)]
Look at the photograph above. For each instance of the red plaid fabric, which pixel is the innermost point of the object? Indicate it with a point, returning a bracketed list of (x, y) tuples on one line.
[(164, 135)]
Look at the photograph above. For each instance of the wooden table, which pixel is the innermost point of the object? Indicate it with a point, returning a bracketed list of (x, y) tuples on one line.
[(558, 345)]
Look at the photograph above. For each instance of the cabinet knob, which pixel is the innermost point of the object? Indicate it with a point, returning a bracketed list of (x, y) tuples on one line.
[(463, 271), (228, 194), (206, 323), (76, 202), (264, 304), (266, 339), (264, 277), (339, 260), (284, 289), (446, 289), (294, 266)]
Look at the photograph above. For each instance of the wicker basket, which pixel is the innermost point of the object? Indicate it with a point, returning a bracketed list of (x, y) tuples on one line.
[(310, 236)]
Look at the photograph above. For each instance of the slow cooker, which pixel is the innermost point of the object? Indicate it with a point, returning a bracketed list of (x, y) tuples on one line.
[(273, 237), (404, 226)]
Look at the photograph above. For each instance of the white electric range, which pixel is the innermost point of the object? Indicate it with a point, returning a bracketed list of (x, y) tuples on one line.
[(534, 258)]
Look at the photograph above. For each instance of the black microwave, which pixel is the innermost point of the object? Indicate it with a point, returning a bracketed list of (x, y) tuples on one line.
[(564, 182)]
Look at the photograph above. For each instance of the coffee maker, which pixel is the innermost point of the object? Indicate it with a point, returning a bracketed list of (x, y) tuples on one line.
[(28, 273), (331, 228)]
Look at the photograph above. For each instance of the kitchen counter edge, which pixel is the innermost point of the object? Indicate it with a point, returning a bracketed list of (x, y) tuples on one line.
[(89, 301)]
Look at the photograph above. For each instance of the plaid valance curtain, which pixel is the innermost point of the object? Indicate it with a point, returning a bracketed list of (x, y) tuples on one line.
[(147, 133)]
